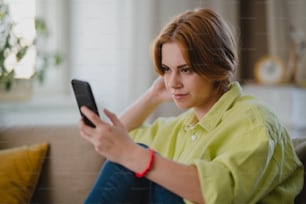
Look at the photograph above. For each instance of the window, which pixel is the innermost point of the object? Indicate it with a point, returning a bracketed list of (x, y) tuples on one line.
[(22, 16), (29, 100)]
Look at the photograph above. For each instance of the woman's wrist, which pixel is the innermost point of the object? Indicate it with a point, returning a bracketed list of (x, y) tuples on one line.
[(138, 159), (149, 165)]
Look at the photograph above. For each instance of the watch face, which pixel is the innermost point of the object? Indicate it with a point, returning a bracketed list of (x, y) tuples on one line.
[(269, 70)]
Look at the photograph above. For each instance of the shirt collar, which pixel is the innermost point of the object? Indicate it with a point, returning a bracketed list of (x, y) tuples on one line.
[(214, 115)]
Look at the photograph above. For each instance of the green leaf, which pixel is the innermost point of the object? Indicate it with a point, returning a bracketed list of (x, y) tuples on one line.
[(8, 85), (41, 27), (58, 59), (40, 75), (7, 80), (21, 53)]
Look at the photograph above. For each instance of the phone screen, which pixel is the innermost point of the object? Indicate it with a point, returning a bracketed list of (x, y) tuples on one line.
[(84, 97)]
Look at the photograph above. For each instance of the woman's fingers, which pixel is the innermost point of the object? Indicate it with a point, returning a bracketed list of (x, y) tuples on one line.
[(113, 118), (109, 137), (85, 131), (92, 116), (95, 119)]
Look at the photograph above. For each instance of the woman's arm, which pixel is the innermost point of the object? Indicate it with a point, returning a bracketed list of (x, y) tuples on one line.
[(181, 179), (113, 142), (139, 111)]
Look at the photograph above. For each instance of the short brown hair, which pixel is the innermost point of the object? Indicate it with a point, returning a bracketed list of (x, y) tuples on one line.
[(207, 44)]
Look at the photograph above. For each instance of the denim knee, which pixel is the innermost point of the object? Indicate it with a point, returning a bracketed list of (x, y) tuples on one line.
[(117, 184)]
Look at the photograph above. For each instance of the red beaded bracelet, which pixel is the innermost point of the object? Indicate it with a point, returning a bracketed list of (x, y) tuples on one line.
[(148, 168)]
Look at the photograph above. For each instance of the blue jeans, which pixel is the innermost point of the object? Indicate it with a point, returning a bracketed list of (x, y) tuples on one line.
[(116, 184)]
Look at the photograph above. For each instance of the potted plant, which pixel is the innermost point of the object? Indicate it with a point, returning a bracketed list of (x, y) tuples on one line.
[(13, 48)]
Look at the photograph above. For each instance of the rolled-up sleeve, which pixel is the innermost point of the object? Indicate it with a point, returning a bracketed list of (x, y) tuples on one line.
[(216, 182), (247, 172)]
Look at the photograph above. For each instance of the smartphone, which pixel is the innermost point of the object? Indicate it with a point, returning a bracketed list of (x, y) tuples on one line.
[(84, 97)]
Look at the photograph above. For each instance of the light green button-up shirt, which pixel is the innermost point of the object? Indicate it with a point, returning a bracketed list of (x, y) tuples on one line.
[(241, 151)]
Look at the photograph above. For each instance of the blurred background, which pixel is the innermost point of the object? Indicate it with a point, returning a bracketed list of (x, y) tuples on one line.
[(108, 43)]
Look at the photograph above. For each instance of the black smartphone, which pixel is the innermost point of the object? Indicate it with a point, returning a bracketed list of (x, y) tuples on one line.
[(84, 97)]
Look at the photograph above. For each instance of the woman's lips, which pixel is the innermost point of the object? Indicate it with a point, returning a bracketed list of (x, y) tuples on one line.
[(179, 96)]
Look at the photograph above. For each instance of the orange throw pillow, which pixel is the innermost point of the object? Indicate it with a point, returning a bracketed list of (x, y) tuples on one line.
[(20, 169)]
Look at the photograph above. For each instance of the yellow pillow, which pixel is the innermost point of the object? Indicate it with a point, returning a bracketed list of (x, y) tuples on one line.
[(20, 169)]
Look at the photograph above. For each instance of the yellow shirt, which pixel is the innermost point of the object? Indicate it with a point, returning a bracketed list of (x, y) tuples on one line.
[(241, 151)]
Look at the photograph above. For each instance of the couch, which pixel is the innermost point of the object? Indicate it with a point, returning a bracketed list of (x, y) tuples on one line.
[(71, 165)]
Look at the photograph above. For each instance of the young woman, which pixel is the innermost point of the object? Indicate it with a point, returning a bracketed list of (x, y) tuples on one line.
[(226, 147)]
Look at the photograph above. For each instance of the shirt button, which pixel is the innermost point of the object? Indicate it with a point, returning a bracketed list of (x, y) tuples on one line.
[(193, 137)]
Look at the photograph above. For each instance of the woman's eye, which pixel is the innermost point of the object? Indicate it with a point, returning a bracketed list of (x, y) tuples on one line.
[(186, 70), (164, 69)]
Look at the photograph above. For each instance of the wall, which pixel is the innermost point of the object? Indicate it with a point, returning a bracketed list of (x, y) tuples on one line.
[(108, 43)]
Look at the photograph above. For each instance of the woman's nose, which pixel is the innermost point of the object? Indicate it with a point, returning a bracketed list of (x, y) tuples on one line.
[(174, 81)]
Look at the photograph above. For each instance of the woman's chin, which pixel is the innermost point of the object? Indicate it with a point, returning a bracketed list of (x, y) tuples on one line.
[(182, 106)]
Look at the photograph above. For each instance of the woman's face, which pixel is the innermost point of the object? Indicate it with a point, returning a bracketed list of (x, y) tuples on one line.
[(187, 88)]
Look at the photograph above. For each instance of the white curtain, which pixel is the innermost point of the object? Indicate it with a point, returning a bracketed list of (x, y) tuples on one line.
[(136, 22), (55, 13)]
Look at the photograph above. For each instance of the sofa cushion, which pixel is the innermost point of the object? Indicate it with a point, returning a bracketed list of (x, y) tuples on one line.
[(71, 166), (20, 169)]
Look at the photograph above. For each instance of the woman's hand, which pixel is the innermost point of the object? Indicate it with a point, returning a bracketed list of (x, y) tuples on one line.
[(159, 90), (138, 112), (110, 140)]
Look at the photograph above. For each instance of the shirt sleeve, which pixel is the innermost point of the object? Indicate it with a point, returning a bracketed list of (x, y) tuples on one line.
[(145, 133), (148, 133), (247, 171)]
